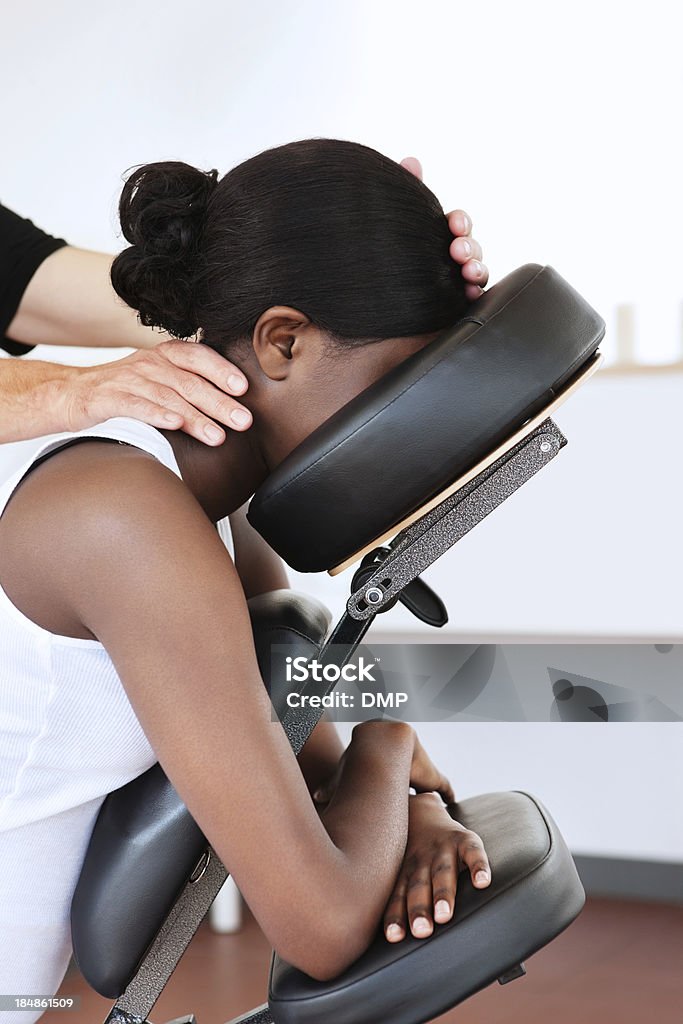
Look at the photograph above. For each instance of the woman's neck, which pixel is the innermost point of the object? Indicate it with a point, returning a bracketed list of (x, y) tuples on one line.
[(222, 478)]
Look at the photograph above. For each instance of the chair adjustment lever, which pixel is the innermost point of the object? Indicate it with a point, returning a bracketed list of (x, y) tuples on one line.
[(425, 604)]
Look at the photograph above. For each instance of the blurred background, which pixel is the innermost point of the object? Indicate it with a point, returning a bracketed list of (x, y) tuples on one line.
[(557, 128)]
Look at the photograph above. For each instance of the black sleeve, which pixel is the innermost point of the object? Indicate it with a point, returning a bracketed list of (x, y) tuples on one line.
[(23, 247)]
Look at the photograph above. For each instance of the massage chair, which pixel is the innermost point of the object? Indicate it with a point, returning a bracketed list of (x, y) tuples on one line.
[(389, 484)]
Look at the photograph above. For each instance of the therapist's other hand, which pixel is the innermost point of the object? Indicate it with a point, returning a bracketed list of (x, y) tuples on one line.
[(465, 250), (177, 385), (437, 850)]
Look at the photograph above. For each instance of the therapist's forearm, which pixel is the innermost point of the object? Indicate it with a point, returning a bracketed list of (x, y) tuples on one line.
[(32, 398), (70, 301)]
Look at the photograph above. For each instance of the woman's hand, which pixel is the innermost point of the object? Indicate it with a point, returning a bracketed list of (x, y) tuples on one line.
[(438, 848), (425, 777), (177, 385), (465, 250)]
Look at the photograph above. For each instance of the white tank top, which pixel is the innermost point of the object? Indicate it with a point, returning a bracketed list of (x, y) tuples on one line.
[(68, 736)]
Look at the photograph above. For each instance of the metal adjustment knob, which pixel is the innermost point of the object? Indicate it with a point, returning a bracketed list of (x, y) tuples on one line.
[(373, 595)]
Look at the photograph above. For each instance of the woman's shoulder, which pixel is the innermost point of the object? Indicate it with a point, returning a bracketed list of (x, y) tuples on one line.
[(87, 511), (90, 481)]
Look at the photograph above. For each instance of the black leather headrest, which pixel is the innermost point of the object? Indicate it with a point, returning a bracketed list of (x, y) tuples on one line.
[(427, 421)]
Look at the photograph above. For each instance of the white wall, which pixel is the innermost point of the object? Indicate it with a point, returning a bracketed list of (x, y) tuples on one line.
[(556, 127)]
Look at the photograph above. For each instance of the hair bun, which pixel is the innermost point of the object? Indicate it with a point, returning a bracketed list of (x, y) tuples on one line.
[(162, 212)]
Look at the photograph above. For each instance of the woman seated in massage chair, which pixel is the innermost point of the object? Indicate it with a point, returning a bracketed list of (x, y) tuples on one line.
[(124, 631)]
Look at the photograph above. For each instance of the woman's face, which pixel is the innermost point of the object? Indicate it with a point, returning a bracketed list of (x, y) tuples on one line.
[(298, 377)]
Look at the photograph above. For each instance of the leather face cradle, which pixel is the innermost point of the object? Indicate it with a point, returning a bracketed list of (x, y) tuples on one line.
[(427, 421)]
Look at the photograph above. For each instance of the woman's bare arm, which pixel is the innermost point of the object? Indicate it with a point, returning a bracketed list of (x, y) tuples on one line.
[(259, 568), (139, 566), (261, 571)]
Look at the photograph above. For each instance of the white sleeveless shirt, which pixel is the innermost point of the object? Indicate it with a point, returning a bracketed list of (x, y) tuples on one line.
[(68, 736)]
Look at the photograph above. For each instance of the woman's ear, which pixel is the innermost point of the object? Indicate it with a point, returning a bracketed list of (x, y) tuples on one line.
[(277, 340)]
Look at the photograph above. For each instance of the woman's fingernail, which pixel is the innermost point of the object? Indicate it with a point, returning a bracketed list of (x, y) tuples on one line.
[(442, 909), (394, 931), (240, 417), (476, 265), (236, 383), (421, 926), (466, 224), (467, 248), (481, 877), (213, 432)]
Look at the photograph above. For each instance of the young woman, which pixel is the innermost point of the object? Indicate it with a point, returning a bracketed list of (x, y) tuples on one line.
[(124, 633)]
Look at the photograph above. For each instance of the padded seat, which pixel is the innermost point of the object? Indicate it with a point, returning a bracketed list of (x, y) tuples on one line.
[(535, 893)]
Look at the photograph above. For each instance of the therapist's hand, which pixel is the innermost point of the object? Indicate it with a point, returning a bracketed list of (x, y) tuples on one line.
[(465, 250), (177, 385)]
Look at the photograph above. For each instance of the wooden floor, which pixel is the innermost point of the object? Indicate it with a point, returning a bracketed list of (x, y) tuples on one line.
[(619, 963)]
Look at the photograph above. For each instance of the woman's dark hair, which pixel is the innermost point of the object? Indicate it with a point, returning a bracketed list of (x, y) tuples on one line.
[(334, 229)]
